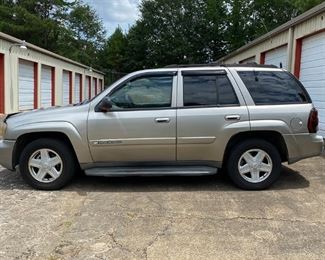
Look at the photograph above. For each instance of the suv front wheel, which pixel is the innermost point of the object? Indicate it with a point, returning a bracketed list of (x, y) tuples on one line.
[(254, 164), (47, 164)]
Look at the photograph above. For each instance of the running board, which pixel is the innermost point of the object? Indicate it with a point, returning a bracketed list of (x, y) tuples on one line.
[(151, 171)]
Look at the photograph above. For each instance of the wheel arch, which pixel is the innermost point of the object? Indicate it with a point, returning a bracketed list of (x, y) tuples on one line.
[(272, 137), (27, 138)]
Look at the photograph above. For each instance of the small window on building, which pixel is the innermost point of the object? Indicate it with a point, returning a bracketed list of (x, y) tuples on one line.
[(208, 90), (274, 87)]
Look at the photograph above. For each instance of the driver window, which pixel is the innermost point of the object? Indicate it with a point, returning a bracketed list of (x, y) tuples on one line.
[(144, 92)]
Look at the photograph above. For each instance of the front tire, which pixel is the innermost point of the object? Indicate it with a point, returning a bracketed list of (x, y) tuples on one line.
[(47, 164), (254, 164)]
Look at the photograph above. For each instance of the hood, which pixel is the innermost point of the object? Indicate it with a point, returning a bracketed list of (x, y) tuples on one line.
[(46, 114)]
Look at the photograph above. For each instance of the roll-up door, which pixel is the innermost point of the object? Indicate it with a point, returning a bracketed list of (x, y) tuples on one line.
[(27, 78), (66, 82), (277, 57), (88, 88), (46, 86), (312, 73), (2, 85), (93, 89), (77, 88)]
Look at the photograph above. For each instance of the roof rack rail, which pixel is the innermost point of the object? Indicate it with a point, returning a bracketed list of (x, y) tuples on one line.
[(172, 66), (215, 64), (250, 65)]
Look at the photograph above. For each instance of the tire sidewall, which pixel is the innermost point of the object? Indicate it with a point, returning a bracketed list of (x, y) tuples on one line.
[(239, 150), (62, 150)]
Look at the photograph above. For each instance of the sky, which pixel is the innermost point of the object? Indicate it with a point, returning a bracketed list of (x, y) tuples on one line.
[(116, 12)]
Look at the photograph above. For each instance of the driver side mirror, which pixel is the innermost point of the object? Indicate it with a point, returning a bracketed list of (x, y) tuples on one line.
[(105, 105)]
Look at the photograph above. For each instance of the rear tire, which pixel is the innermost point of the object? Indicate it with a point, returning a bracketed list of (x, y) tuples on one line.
[(254, 164), (47, 164)]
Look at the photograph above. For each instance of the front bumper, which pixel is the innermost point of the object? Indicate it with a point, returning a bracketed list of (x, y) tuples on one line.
[(302, 146), (6, 153)]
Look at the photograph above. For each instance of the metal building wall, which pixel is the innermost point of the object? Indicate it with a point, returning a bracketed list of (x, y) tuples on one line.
[(11, 68), (288, 37)]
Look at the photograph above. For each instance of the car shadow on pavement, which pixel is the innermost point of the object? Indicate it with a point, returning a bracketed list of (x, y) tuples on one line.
[(289, 179)]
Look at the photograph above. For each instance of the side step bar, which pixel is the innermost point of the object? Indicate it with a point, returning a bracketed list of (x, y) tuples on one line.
[(151, 171)]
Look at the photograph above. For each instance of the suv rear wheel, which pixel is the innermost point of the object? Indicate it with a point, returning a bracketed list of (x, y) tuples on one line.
[(254, 164), (47, 164)]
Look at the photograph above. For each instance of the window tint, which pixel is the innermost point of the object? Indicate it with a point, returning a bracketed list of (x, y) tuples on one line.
[(146, 92), (274, 87), (208, 90)]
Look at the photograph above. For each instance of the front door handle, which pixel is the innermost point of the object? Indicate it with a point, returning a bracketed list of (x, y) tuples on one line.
[(232, 117), (162, 120)]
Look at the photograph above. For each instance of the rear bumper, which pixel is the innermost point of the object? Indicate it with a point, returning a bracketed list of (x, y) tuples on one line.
[(302, 146), (6, 152)]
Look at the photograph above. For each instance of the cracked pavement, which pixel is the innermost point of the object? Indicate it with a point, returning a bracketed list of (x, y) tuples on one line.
[(166, 218)]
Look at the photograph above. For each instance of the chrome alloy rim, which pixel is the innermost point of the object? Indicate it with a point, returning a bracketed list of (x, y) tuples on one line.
[(255, 165), (45, 165)]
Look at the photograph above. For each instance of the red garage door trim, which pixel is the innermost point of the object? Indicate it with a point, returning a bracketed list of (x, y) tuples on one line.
[(2, 85), (262, 58), (80, 87), (299, 50), (101, 85), (35, 85), (95, 79), (53, 85), (70, 87), (89, 86)]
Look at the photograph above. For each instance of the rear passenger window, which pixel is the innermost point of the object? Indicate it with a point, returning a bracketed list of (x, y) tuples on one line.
[(208, 90), (274, 87)]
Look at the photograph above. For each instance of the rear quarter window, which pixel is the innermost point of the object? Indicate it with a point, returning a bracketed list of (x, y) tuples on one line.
[(274, 87)]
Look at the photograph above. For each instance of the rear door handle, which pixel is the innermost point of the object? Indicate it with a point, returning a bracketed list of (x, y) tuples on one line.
[(162, 120), (232, 117)]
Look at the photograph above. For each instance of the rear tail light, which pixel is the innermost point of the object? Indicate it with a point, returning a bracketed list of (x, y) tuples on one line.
[(313, 121)]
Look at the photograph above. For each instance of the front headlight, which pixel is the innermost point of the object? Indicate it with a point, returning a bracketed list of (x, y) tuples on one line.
[(3, 126)]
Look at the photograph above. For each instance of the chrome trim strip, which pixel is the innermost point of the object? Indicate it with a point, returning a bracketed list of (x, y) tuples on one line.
[(133, 141), (196, 140)]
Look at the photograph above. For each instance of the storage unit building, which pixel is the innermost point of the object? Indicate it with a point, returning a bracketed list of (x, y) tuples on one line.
[(32, 77), (299, 47)]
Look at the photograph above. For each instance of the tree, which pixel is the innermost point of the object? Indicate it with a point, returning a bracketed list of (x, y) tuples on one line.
[(35, 21), (113, 53), (238, 24), (179, 31), (86, 33), (69, 28), (304, 5)]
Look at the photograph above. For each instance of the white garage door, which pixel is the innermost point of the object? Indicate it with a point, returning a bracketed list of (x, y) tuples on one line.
[(93, 89), (46, 86), (66, 88), (87, 88), (99, 86), (26, 85), (77, 85), (277, 57), (312, 73)]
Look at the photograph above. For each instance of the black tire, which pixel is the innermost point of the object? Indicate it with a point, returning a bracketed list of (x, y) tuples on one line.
[(239, 150), (69, 165)]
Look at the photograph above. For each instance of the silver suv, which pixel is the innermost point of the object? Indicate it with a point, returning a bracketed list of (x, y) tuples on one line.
[(178, 120)]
